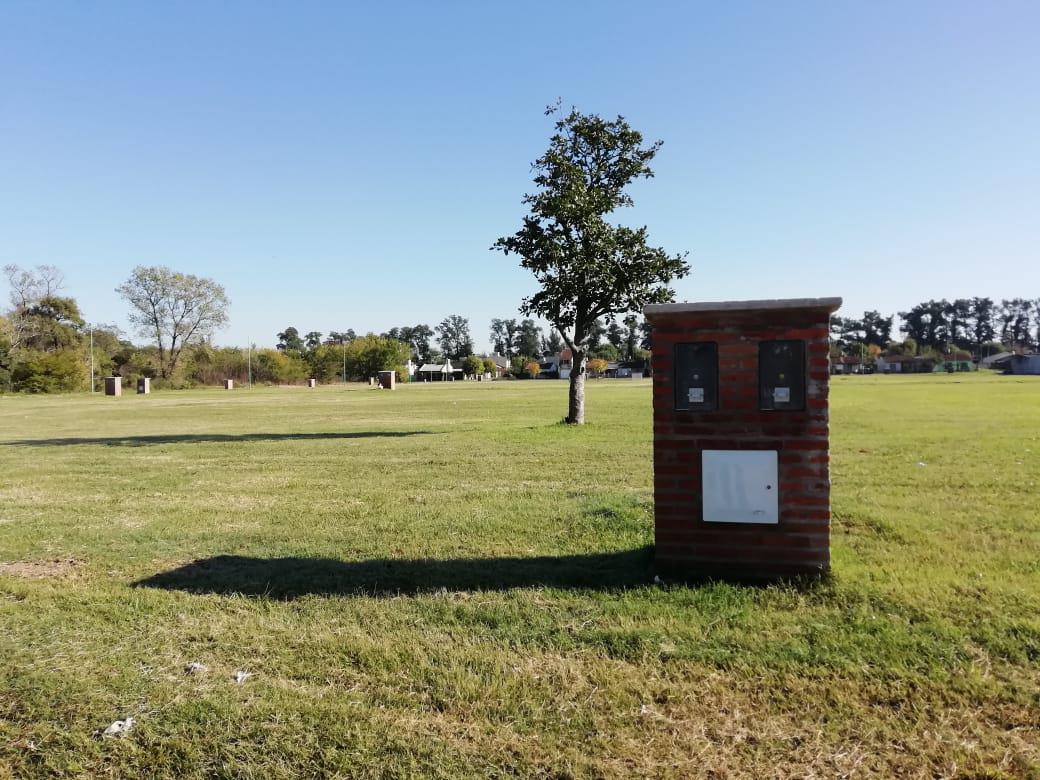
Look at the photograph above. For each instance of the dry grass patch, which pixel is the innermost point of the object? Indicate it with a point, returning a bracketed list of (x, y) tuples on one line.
[(57, 568)]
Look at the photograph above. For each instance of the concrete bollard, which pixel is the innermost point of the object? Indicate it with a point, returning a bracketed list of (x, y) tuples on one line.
[(386, 379), (113, 385), (229, 384), (312, 383), (144, 385)]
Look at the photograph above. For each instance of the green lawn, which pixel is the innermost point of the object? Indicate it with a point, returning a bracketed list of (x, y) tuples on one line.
[(442, 581)]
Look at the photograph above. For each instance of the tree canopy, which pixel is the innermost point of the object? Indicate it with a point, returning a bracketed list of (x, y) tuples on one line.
[(175, 309), (585, 266), (454, 338)]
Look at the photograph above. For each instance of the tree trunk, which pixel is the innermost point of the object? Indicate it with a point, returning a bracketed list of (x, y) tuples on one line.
[(576, 396)]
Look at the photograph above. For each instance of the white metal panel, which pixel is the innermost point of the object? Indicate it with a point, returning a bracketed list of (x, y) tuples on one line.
[(740, 486)]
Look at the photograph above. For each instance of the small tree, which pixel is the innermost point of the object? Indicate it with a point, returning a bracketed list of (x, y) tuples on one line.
[(173, 308), (530, 339), (289, 340), (58, 371), (588, 268), (631, 336), (368, 355), (532, 368), (473, 365), (454, 338), (552, 344), (324, 361), (597, 366), (504, 336), (490, 366)]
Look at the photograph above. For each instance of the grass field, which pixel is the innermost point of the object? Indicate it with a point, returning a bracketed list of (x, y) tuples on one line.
[(441, 581)]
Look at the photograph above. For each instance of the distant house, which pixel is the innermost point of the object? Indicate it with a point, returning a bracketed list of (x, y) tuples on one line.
[(998, 361), (439, 372), (565, 362), (957, 361), (1024, 364), (556, 366), (892, 364), (905, 364), (549, 367), (501, 364), (849, 364)]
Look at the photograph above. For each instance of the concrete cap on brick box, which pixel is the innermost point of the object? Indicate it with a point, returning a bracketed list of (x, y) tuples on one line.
[(775, 304)]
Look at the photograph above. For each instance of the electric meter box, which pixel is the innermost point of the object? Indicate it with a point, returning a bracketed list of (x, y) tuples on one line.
[(741, 438), (739, 486), (781, 375), (697, 376)]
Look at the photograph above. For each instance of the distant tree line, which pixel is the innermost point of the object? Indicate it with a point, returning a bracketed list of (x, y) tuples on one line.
[(42, 336), (628, 340), (522, 343), (980, 326), (47, 346)]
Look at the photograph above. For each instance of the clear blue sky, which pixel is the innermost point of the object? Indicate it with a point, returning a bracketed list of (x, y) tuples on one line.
[(348, 165)]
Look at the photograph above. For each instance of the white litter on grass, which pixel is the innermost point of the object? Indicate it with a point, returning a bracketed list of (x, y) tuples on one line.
[(195, 668), (241, 677), (645, 710), (119, 727), (921, 463)]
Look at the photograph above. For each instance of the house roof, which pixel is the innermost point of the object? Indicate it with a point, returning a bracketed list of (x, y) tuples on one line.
[(442, 368), (1000, 357)]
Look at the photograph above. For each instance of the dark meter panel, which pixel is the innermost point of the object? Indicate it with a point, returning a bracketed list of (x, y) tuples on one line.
[(781, 375), (697, 376)]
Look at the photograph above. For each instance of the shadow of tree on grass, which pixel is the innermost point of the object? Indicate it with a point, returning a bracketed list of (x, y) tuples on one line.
[(289, 578), (217, 438)]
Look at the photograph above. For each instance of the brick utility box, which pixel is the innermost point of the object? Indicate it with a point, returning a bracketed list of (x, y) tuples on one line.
[(229, 384), (386, 379), (312, 383), (113, 385), (741, 438), (144, 385)]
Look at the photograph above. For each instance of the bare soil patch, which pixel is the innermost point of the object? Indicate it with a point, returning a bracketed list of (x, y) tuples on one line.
[(40, 570)]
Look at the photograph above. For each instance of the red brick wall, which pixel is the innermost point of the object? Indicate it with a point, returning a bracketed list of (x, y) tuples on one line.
[(688, 547)]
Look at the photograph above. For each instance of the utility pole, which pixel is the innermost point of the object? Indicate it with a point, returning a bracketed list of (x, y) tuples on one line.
[(344, 343), (92, 358), (249, 363)]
